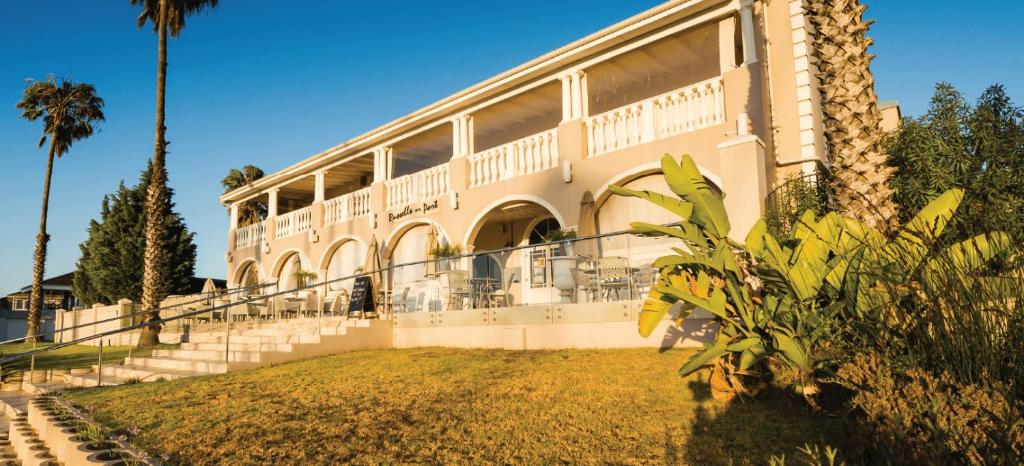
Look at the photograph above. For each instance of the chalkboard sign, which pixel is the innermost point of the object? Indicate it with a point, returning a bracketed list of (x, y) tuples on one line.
[(361, 304)]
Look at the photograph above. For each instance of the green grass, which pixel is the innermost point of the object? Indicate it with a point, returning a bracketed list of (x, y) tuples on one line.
[(67, 357), (458, 406)]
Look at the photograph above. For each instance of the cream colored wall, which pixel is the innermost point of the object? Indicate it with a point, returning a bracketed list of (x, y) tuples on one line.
[(753, 161)]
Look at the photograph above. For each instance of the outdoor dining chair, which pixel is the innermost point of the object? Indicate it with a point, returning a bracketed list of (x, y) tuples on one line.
[(643, 278), (459, 288), (585, 286), (398, 300), (613, 275), (502, 297)]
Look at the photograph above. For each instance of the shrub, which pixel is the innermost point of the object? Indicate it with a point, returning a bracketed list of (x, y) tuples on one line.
[(909, 416)]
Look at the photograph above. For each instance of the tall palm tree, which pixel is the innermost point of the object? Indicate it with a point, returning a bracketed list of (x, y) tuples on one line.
[(167, 17), (860, 172), (70, 111), (249, 212)]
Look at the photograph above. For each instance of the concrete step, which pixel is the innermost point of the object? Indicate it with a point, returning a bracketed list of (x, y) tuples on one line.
[(88, 380), (282, 338), (210, 355), (146, 374), (237, 347), (194, 365)]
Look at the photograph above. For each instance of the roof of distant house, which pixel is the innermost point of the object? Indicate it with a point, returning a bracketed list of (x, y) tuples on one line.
[(60, 283)]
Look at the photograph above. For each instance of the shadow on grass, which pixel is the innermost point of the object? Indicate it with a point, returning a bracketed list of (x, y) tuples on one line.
[(750, 431)]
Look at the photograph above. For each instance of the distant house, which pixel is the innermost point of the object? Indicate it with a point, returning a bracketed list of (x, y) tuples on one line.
[(14, 307)]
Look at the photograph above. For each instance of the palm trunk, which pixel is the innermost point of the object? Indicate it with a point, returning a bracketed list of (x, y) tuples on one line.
[(35, 308), (156, 198)]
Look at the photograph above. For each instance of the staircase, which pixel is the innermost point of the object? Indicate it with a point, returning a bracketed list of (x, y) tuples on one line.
[(247, 348)]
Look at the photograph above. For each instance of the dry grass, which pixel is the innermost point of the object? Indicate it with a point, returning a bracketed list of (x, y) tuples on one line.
[(458, 406)]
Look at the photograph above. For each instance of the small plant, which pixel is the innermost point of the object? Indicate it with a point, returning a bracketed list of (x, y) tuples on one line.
[(133, 380), (560, 235), (304, 278), (812, 455), (92, 434), (446, 250)]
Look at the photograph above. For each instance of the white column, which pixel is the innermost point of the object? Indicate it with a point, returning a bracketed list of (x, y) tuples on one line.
[(272, 203), (727, 44), (747, 25), (389, 163), (456, 137), (233, 209), (467, 134), (577, 104), (566, 98), (584, 95), (318, 186), (379, 164)]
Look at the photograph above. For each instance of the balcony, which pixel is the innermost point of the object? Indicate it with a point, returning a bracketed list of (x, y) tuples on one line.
[(293, 223), (526, 156), (680, 111), (251, 235), (347, 207), (417, 187)]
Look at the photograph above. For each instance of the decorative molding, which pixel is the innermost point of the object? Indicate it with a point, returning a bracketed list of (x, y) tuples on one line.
[(811, 124)]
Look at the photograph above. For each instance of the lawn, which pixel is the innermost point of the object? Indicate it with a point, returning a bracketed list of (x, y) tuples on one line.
[(447, 406), (68, 356)]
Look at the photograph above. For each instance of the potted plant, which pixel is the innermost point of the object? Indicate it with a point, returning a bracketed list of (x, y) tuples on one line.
[(304, 278), (443, 254), (563, 240)]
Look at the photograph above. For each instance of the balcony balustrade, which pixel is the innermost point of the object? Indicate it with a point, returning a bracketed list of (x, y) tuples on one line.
[(525, 156), (292, 223), (250, 235), (347, 207), (420, 186), (683, 110)]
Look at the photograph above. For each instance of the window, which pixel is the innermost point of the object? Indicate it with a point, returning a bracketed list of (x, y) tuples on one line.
[(20, 304)]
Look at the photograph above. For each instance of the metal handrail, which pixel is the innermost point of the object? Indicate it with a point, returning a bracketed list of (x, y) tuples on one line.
[(141, 311), (253, 299)]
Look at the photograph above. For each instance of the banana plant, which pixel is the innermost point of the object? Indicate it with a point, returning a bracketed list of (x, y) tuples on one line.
[(763, 293), (780, 300)]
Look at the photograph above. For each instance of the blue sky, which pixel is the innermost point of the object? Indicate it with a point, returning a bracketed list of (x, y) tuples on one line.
[(257, 82)]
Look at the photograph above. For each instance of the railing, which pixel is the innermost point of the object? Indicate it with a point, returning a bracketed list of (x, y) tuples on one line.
[(293, 223), (683, 110), (420, 186), (347, 207), (606, 275), (528, 155), (250, 235)]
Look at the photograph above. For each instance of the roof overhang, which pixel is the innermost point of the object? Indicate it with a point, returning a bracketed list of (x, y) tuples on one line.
[(534, 70)]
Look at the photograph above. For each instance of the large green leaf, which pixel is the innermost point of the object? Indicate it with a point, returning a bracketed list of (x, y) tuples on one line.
[(681, 208), (651, 229), (910, 245), (685, 180), (704, 356), (792, 350)]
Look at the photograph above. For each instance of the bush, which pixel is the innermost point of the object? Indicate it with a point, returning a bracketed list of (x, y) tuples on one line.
[(908, 416)]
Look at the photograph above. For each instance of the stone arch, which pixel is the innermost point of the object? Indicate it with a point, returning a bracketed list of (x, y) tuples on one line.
[(602, 194), (333, 247), (236, 279), (279, 263), (480, 219), (402, 228)]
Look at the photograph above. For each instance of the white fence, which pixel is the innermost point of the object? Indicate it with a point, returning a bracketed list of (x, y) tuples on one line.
[(528, 155), (683, 110), (250, 235), (427, 184), (347, 207), (294, 222)]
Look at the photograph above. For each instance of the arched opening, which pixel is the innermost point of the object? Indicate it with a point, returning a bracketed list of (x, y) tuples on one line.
[(345, 261), (249, 278), (519, 275), (615, 213), (288, 272), (415, 283)]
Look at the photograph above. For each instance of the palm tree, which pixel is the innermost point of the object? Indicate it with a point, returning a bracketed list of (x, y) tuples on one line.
[(167, 17), (249, 212), (860, 172), (70, 111)]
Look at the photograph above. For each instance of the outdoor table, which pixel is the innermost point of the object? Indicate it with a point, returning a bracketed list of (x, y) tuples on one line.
[(483, 287)]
